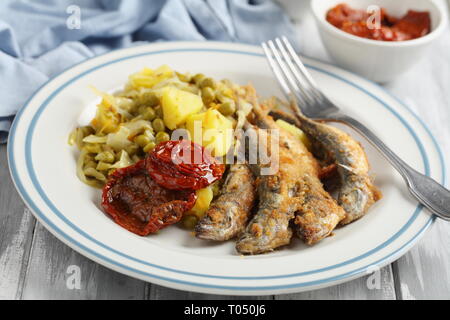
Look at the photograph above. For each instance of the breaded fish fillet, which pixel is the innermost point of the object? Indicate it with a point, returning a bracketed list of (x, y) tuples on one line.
[(356, 193), (229, 213)]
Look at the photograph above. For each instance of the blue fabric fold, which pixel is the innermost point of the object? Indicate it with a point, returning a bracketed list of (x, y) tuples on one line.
[(36, 42)]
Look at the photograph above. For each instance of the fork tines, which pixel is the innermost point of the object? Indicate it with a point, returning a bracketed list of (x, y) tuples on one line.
[(291, 73)]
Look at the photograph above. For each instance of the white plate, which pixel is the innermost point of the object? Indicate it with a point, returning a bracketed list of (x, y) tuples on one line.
[(43, 169)]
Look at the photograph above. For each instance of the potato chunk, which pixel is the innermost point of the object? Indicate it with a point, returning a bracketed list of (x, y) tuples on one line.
[(178, 105), (211, 130), (298, 133), (147, 78), (204, 198)]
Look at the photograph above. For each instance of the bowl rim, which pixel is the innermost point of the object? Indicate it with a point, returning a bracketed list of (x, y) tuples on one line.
[(377, 43)]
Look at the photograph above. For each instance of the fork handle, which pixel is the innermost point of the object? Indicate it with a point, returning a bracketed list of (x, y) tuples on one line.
[(429, 192)]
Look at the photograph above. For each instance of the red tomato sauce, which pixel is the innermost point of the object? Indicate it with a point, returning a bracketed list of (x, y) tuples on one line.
[(413, 25)]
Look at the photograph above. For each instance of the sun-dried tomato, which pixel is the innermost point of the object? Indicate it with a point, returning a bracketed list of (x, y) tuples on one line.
[(137, 203), (183, 165)]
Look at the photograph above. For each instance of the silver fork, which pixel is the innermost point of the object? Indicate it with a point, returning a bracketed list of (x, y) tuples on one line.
[(295, 80)]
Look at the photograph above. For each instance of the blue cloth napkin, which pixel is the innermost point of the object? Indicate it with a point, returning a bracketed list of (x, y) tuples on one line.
[(40, 38)]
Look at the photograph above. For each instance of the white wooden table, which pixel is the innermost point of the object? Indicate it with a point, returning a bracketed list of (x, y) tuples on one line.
[(34, 264)]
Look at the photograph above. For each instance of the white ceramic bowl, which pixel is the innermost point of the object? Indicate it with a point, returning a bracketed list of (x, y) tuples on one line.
[(296, 9), (380, 61)]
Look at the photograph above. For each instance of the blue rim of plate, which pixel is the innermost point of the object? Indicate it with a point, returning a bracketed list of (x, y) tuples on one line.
[(76, 244)]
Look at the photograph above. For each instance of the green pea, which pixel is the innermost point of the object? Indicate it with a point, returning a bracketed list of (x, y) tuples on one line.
[(149, 147), (142, 109), (184, 77), (158, 125), (105, 156), (162, 137), (142, 140), (198, 78), (208, 95), (148, 114), (149, 99), (159, 112), (223, 98), (189, 222), (132, 149), (207, 82), (227, 108), (227, 82)]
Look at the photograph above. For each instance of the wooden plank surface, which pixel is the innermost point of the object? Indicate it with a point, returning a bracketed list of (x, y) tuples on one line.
[(16, 229), (424, 272), (53, 265), (378, 285)]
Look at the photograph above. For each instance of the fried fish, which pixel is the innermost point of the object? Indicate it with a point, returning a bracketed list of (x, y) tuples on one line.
[(294, 191), (356, 193), (229, 213)]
